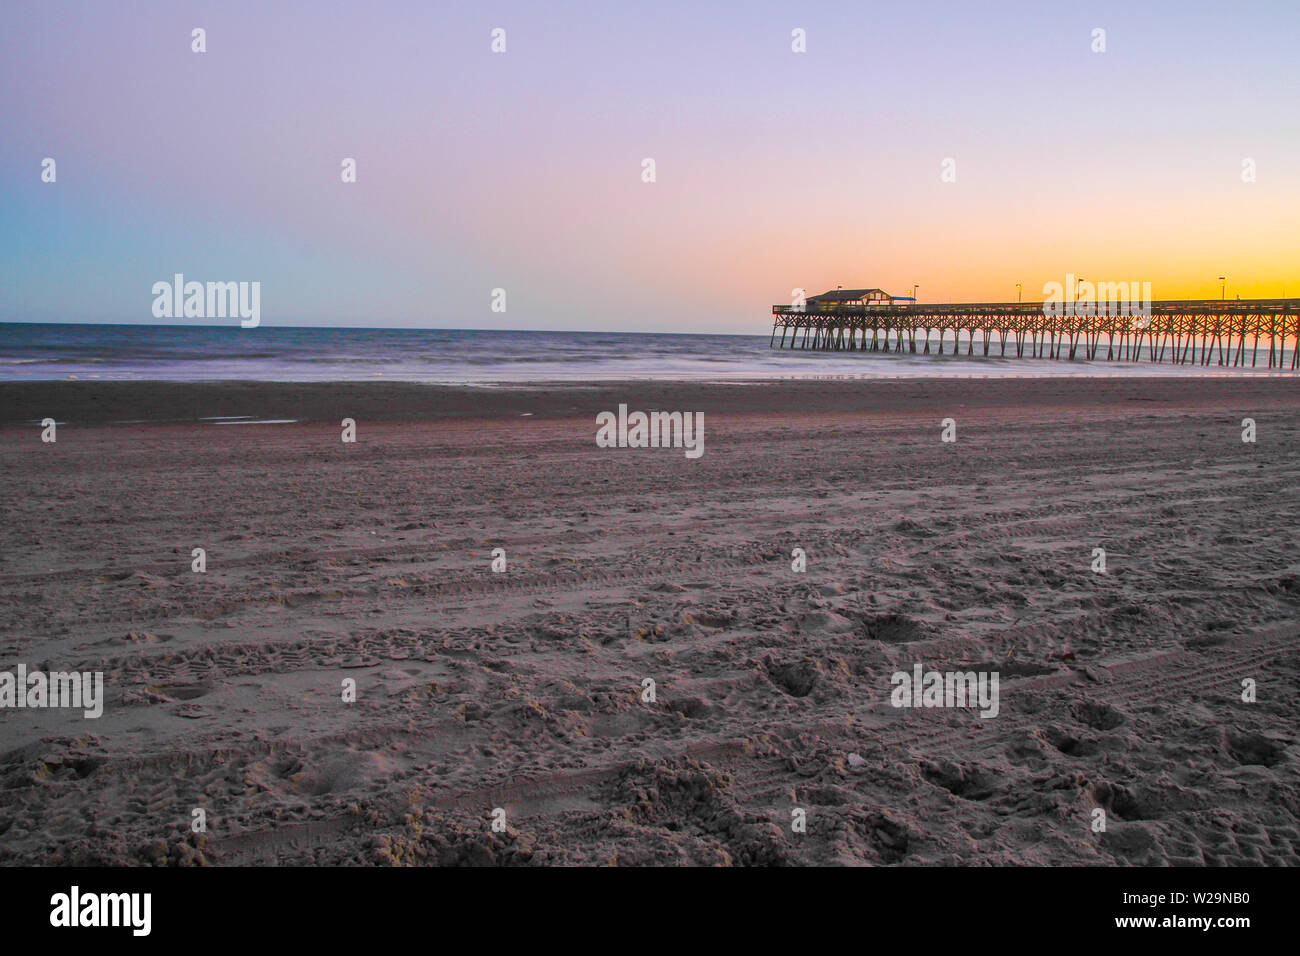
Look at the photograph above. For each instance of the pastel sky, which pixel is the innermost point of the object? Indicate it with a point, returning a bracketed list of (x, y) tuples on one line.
[(523, 170)]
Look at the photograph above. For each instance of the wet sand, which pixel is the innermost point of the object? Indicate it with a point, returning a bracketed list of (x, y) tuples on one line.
[(101, 403), (523, 690)]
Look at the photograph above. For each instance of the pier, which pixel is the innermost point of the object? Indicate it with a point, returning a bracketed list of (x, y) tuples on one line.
[(1254, 332)]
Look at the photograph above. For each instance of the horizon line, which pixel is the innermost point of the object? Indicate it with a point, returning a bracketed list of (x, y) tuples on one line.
[(360, 328)]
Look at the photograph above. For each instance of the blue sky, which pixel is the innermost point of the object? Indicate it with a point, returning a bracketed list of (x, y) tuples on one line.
[(522, 170)]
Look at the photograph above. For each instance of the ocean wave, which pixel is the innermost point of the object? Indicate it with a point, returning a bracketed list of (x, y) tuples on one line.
[(200, 353)]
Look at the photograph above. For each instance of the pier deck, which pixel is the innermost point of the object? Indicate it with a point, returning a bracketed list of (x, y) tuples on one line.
[(1183, 331)]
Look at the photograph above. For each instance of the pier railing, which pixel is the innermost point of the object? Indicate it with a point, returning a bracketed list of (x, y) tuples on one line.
[(1203, 332)]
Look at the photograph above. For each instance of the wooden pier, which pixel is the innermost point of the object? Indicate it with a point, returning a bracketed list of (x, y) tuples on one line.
[(1228, 333)]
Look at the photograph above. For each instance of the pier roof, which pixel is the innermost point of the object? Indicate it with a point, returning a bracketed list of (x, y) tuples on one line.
[(844, 295)]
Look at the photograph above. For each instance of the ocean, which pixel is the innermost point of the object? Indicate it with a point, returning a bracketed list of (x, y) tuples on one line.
[(33, 352)]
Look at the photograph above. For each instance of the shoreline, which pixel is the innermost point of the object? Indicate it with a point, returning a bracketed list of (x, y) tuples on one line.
[(145, 403)]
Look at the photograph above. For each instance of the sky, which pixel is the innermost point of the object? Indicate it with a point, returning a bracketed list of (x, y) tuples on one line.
[(523, 170)]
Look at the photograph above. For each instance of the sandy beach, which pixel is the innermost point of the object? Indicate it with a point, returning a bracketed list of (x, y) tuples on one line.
[(523, 690)]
